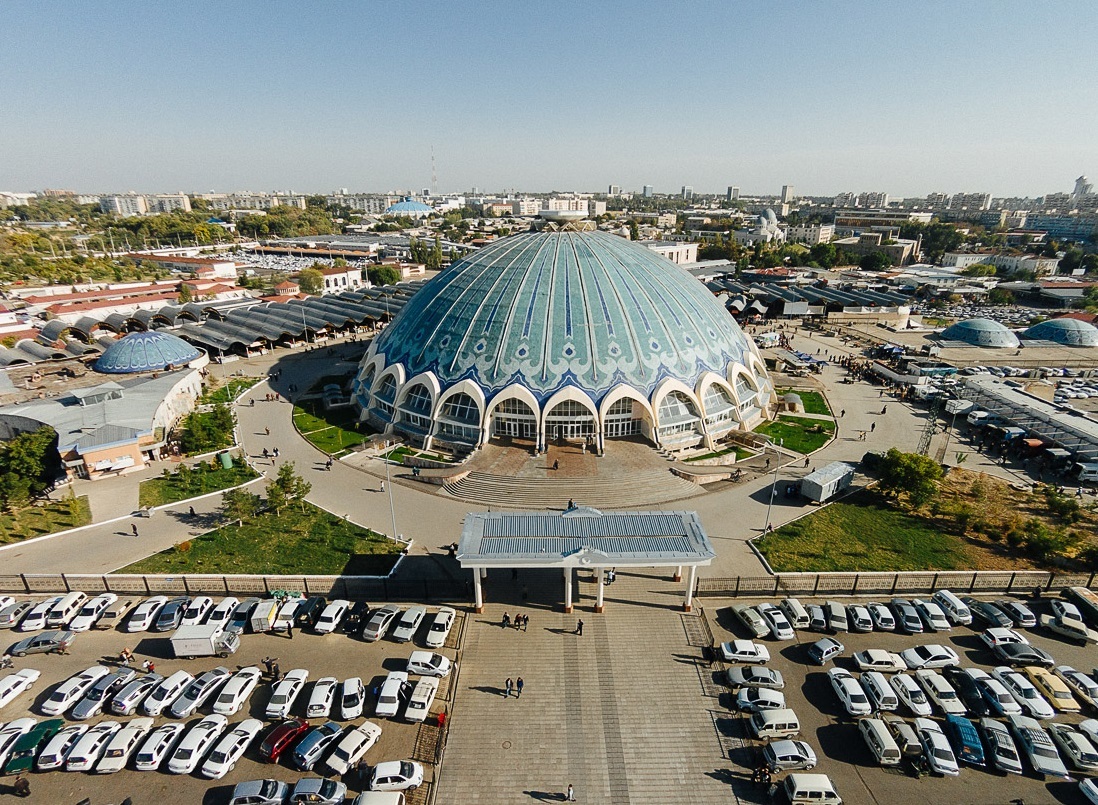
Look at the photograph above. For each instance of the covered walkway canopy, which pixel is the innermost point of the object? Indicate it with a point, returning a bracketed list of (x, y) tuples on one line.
[(583, 537)]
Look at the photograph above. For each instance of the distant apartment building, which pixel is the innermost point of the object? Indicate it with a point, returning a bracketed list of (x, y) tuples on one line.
[(732, 194), (970, 201), (862, 200), (526, 207), (168, 202), (124, 206), (1040, 266), (666, 220), (853, 219), (1064, 227), (648, 191), (787, 194), (810, 234), (341, 278), (577, 204), (677, 253), (369, 203), (252, 201), (613, 190), (687, 192), (902, 251)]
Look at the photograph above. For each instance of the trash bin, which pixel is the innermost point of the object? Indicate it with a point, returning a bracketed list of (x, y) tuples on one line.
[(226, 460)]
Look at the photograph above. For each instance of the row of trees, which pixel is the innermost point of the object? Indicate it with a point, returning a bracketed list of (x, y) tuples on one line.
[(238, 505)]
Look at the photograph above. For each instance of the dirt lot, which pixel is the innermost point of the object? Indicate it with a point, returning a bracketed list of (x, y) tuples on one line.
[(329, 655), (840, 750)]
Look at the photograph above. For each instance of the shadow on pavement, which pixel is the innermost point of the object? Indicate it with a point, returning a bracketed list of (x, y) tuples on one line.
[(546, 796)]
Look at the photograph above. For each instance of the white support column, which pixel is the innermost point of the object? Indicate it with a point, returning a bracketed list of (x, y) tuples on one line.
[(567, 591), (602, 581), (688, 605), (678, 574), (478, 590)]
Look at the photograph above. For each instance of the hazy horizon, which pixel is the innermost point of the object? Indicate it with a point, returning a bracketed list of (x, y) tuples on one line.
[(846, 96)]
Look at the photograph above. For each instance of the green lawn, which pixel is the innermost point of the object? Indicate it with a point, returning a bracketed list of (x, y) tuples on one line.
[(740, 452), (291, 543), (799, 434), (331, 431), (191, 482), (35, 521), (814, 402), (862, 533), (229, 391)]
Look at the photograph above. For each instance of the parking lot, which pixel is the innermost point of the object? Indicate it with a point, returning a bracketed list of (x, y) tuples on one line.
[(841, 752), (337, 655)]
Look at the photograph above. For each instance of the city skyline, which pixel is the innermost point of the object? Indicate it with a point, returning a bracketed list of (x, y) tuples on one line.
[(113, 97)]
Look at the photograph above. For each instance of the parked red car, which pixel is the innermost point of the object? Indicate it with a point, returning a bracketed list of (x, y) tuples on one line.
[(282, 738)]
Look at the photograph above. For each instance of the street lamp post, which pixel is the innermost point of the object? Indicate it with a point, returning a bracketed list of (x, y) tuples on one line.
[(773, 490), (389, 489)]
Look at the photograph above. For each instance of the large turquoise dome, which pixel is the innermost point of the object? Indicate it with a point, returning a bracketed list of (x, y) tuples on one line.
[(579, 313), (143, 352)]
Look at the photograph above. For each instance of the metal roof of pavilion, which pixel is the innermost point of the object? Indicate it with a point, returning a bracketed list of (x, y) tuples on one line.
[(584, 535)]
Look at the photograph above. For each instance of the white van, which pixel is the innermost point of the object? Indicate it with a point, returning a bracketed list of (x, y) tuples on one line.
[(795, 612), (379, 798), (1086, 472), (879, 691), (880, 741), (419, 704), (65, 609), (817, 789), (978, 418), (781, 723), (953, 607)]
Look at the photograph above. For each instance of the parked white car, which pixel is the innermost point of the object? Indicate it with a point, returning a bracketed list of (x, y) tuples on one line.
[(91, 611), (999, 636), (123, 744), (777, 622), (221, 614), (995, 694), (936, 748), (440, 627), (744, 651), (353, 746), (932, 615), (14, 684), (909, 692), (126, 700), (11, 733), (1074, 746), (874, 659), (397, 775), (35, 621), (85, 754), (158, 746), (423, 696), (748, 700), (393, 690), (850, 692), (859, 619), (939, 691), (320, 700), (408, 624), (230, 748), (195, 744), (883, 619), (352, 698), (72, 689), (285, 618), (197, 610), (930, 656), (237, 690), (1023, 691), (144, 614), (54, 753), (379, 622), (285, 693), (332, 616), (164, 694), (426, 663)]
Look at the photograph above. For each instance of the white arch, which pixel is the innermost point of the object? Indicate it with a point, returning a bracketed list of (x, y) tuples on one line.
[(475, 392), (427, 379), (665, 388), (515, 392), (621, 392), (566, 394), (397, 373)]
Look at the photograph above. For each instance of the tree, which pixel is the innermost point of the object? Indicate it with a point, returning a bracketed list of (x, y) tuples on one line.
[(311, 281), (185, 294), (434, 257), (1000, 296), (287, 486), (875, 261), (911, 474), (634, 230), (826, 254), (980, 270), (239, 505), (29, 463), (382, 275)]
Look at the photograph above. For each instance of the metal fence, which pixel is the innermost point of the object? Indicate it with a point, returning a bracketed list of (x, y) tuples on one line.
[(964, 581), (354, 587)]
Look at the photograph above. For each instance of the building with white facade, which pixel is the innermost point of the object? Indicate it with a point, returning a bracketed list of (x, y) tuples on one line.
[(810, 234), (341, 278), (677, 253), (124, 206)]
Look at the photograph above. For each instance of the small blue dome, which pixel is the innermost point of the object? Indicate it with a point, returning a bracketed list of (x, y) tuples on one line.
[(1070, 332), (408, 206), (145, 352), (980, 333)]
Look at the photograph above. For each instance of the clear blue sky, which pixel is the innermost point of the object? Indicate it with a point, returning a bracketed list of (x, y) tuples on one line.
[(908, 98)]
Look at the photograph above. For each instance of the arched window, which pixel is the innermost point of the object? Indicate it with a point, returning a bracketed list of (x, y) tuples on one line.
[(679, 421), (720, 411), (569, 419), (459, 419), (383, 399), (620, 419), (363, 391), (513, 417), (748, 397), (415, 410)]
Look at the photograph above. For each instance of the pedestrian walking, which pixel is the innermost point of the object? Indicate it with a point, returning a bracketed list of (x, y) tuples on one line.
[(290, 630), (872, 426), (267, 431), (276, 672), (579, 627), (518, 621), (570, 794), (806, 461), (518, 688), (571, 504), (266, 453), (556, 464), (508, 687), (884, 410), (383, 487), (276, 452), (525, 622), (506, 620), (191, 512), (133, 526), (842, 413)]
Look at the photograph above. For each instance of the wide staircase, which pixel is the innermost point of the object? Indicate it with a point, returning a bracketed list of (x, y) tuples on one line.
[(638, 490)]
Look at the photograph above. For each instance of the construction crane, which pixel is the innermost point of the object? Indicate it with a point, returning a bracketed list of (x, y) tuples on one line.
[(931, 426)]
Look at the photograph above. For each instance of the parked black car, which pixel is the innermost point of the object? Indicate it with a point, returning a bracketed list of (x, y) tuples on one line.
[(967, 690), (308, 613), (356, 617), (987, 614)]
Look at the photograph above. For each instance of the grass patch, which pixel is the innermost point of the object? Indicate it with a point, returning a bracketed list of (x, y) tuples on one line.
[(740, 452), (230, 391), (331, 431), (799, 434), (814, 402), (190, 482), (398, 454), (48, 518), (863, 533), (292, 543)]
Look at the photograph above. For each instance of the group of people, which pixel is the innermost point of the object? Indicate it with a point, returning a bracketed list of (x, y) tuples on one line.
[(520, 622), (515, 687), (270, 664)]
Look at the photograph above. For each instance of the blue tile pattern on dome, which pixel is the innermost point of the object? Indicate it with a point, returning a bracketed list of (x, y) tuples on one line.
[(549, 309), (143, 352)]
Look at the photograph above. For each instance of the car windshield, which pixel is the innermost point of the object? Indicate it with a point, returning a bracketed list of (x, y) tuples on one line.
[(406, 769), (184, 754), (218, 757), (225, 698), (114, 753), (943, 754), (1044, 751), (328, 788), (947, 695), (350, 700)]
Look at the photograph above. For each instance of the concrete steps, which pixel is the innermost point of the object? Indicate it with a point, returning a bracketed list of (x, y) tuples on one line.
[(636, 491)]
